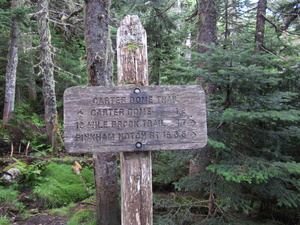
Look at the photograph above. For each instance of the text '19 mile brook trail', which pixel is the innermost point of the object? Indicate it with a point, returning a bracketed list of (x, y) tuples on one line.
[(128, 118)]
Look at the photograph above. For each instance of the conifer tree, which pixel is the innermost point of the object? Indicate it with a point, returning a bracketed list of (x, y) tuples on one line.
[(46, 69)]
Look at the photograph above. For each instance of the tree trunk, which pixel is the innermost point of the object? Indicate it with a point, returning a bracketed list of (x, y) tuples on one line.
[(260, 26), (99, 63), (97, 42), (46, 69), (227, 41), (11, 69), (207, 13), (32, 92)]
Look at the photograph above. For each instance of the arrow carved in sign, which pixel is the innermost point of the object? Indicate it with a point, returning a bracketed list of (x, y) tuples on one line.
[(194, 134), (193, 122), (80, 113)]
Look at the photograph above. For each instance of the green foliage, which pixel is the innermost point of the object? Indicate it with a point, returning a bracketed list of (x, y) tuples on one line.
[(253, 120), (33, 173), (177, 166), (19, 164), (85, 217), (27, 126), (63, 211), (62, 186), (4, 220), (9, 199)]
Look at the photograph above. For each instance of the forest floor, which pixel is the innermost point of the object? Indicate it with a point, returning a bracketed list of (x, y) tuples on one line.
[(46, 218), (169, 205), (25, 209), (36, 215)]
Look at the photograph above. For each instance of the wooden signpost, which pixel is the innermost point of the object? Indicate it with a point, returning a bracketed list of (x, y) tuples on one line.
[(134, 120)]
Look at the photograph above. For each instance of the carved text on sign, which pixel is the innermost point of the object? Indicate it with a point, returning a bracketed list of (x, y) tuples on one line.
[(100, 119)]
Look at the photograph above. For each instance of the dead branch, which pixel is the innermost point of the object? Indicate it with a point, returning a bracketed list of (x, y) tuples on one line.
[(195, 13), (61, 70), (268, 51), (278, 27), (75, 13), (60, 23)]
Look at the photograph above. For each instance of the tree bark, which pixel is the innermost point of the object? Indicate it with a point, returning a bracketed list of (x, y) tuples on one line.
[(99, 63), (11, 69), (96, 39), (106, 185), (207, 26), (207, 13), (260, 26), (46, 69), (32, 92)]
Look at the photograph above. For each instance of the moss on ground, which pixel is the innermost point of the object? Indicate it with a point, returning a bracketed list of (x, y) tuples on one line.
[(85, 216), (62, 186)]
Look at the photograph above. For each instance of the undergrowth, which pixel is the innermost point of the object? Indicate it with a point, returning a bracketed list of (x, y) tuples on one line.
[(62, 186), (4, 220), (85, 217), (9, 200)]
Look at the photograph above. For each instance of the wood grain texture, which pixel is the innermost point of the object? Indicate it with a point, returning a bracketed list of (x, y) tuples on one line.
[(116, 119), (136, 168), (132, 52)]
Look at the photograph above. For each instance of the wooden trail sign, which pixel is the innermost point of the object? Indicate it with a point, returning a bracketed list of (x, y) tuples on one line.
[(134, 120), (128, 118)]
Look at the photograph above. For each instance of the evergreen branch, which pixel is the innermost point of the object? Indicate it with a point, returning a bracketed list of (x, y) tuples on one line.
[(160, 13), (277, 27)]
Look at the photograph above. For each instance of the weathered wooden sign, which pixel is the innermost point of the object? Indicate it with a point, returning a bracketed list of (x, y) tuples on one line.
[(128, 118)]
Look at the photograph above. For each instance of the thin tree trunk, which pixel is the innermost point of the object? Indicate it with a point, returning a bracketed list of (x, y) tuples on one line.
[(31, 83), (99, 62), (260, 26), (32, 92), (11, 69), (46, 69), (227, 34)]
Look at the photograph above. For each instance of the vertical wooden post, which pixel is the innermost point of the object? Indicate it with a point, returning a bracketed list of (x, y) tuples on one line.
[(136, 167)]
